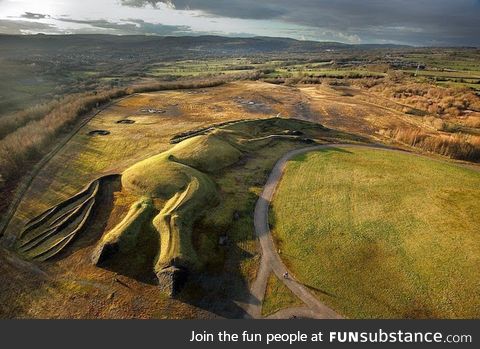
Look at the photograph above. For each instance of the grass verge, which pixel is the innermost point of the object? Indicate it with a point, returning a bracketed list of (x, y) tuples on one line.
[(278, 297)]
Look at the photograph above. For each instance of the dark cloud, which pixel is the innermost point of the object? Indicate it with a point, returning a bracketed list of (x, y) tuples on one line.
[(133, 26), (31, 15), (245, 9), (423, 22), (21, 27)]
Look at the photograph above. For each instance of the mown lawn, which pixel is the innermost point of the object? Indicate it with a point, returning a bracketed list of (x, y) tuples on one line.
[(278, 297), (379, 234)]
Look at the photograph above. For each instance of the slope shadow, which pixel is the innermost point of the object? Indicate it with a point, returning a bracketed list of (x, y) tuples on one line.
[(219, 292), (138, 263)]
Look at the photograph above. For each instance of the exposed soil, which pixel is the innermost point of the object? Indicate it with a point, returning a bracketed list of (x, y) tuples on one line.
[(254, 106), (152, 111), (167, 111), (99, 133), (126, 121)]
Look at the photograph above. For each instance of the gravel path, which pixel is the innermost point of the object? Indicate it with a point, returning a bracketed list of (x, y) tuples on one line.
[(271, 260)]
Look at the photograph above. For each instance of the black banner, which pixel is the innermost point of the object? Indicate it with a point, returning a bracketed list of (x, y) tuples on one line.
[(240, 333)]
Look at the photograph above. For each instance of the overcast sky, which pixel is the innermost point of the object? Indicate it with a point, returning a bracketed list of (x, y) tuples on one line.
[(415, 22)]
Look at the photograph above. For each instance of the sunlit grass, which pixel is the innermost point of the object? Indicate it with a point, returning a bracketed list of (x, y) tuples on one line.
[(278, 297), (381, 234)]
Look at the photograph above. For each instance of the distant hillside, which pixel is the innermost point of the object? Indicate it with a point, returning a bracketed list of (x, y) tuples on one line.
[(39, 68), (168, 46)]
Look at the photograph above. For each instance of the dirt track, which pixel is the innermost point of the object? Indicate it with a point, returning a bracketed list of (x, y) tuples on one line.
[(271, 260)]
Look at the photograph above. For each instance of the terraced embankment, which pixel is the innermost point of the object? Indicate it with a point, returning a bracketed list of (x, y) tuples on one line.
[(49, 233)]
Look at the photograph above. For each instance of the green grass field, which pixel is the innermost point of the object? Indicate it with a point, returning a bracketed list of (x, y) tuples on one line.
[(467, 78), (446, 74), (202, 67), (303, 70), (379, 234), (278, 297), (448, 59)]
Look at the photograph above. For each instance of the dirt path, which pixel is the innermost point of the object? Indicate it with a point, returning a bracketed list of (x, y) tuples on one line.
[(271, 261)]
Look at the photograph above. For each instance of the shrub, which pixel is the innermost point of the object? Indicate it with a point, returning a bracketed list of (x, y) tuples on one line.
[(31, 141), (441, 101), (10, 123), (457, 146)]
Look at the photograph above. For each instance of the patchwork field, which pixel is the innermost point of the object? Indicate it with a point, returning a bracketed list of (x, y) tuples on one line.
[(381, 234)]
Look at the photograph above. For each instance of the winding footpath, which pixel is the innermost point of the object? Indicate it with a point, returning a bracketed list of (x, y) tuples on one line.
[(271, 261)]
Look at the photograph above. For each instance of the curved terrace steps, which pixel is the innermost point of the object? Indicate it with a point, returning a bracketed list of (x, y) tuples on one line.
[(49, 233)]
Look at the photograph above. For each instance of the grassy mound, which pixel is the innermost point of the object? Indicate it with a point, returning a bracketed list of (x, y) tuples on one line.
[(173, 191), (176, 220), (380, 234), (206, 153), (179, 176), (166, 174), (125, 235), (156, 177)]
